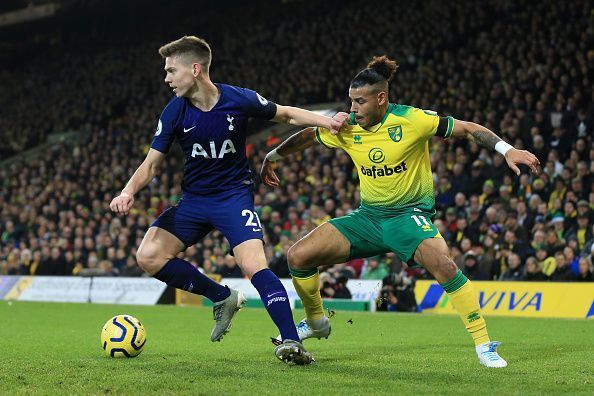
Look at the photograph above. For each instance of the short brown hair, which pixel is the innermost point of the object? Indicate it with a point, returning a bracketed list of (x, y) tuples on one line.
[(189, 45)]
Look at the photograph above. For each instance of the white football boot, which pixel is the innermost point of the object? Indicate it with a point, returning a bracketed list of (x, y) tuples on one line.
[(320, 328), (488, 356)]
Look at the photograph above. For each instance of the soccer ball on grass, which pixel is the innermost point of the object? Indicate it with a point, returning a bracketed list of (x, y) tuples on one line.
[(123, 336)]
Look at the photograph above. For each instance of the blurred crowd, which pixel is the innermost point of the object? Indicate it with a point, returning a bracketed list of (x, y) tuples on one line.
[(530, 79)]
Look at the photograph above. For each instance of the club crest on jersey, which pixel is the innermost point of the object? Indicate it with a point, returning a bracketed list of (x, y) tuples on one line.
[(395, 133), (376, 155), (230, 121)]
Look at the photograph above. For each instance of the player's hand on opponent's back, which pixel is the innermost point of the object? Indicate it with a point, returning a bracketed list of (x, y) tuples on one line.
[(122, 203), (268, 175), (515, 157), (339, 121)]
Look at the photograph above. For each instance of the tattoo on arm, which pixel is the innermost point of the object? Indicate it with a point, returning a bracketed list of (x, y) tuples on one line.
[(297, 142), (484, 138)]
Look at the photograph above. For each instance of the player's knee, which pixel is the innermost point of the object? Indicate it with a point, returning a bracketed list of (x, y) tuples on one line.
[(296, 258), (447, 267), (148, 260)]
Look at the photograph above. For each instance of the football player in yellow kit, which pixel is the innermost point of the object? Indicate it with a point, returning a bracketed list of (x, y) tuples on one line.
[(389, 144)]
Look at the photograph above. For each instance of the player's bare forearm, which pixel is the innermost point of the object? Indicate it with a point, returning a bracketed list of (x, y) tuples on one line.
[(303, 139), (296, 116), (485, 138), (295, 143), (476, 133), (145, 172), (139, 179)]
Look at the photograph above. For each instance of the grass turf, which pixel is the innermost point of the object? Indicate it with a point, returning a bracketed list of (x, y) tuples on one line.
[(48, 348)]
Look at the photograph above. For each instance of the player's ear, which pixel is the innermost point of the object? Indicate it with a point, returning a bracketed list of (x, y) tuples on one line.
[(382, 97), (196, 69)]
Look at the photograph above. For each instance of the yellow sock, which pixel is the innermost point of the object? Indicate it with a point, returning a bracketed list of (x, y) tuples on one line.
[(308, 289), (464, 299)]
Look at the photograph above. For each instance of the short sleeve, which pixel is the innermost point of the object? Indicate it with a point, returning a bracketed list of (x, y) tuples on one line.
[(166, 127), (327, 139), (431, 124), (257, 106)]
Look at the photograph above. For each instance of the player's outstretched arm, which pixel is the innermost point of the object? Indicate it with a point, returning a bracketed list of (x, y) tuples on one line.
[(143, 175), (295, 143), (302, 117), (485, 138)]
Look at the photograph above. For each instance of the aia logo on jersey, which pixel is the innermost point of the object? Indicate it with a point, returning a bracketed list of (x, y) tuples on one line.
[(395, 133), (226, 147)]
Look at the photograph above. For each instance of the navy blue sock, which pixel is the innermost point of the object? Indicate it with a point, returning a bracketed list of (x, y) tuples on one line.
[(275, 299), (182, 275)]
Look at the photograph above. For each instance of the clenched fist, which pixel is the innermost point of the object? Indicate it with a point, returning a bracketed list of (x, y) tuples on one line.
[(122, 203)]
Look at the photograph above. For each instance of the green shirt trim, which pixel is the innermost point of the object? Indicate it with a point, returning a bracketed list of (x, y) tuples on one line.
[(352, 120), (319, 138), (400, 110), (450, 129)]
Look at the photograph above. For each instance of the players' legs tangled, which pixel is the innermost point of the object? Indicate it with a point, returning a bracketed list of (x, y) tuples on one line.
[(323, 246), (433, 254), (251, 259)]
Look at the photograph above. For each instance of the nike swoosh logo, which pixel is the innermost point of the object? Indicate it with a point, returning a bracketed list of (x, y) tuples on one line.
[(256, 229), (273, 294), (416, 210), (189, 129)]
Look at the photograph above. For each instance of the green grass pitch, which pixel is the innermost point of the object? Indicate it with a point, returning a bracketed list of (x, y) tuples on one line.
[(54, 349)]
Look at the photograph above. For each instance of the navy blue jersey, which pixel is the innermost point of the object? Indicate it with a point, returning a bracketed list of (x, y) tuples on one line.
[(212, 141)]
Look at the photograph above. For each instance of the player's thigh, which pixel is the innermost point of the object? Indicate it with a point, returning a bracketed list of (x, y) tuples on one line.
[(341, 239), (236, 217), (157, 247), (434, 255), (250, 256), (188, 221), (325, 245), (404, 232)]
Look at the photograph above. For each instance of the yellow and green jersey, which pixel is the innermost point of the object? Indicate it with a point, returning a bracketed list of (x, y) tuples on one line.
[(392, 157)]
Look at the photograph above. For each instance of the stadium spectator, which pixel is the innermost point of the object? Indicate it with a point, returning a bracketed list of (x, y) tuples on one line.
[(375, 269), (514, 270), (230, 269), (562, 271), (397, 293), (471, 268), (131, 269), (585, 270), (533, 271)]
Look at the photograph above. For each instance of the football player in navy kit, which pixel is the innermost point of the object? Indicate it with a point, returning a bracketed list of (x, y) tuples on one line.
[(209, 121)]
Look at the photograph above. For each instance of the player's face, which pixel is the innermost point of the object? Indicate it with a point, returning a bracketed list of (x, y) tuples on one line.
[(368, 105), (180, 76)]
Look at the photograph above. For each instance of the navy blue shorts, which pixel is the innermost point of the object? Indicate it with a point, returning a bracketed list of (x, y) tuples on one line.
[(232, 213)]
